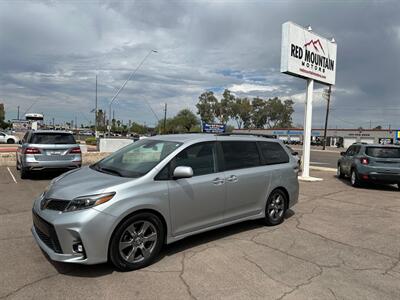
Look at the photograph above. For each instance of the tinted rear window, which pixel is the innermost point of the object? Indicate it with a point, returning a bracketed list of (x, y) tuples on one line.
[(239, 155), (52, 138), (383, 152), (273, 153)]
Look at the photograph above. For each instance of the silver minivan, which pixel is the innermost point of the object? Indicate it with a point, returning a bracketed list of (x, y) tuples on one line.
[(159, 190)]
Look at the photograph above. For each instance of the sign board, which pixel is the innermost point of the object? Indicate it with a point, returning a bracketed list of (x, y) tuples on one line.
[(307, 55), (214, 128)]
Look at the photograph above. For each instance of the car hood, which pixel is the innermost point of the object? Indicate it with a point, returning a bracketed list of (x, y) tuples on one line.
[(82, 182)]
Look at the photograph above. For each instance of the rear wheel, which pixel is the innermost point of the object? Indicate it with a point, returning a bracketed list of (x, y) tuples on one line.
[(339, 171), (24, 173), (136, 242), (10, 141), (275, 208), (354, 179)]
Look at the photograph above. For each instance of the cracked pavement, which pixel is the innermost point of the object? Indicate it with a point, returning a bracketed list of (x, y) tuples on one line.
[(338, 242)]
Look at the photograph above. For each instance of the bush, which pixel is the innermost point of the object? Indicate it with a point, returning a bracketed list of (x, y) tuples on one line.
[(91, 141)]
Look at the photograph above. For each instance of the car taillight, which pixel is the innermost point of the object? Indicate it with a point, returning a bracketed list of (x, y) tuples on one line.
[(75, 150), (364, 161), (31, 150)]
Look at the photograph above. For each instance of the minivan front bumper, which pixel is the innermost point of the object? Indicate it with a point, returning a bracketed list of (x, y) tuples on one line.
[(90, 228)]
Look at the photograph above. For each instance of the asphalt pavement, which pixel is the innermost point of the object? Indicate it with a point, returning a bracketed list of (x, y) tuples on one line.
[(338, 242), (322, 158)]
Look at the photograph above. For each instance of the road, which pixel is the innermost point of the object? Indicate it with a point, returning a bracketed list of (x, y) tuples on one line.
[(321, 158)]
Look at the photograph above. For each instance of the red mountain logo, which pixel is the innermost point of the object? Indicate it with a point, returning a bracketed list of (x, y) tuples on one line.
[(315, 44)]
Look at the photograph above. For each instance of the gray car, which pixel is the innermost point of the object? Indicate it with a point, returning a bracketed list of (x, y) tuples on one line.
[(159, 190), (370, 163), (45, 149)]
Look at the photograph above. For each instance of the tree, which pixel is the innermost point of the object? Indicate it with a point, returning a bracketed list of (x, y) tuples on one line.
[(223, 109), (279, 114), (185, 119), (259, 113), (240, 111), (137, 128), (206, 106)]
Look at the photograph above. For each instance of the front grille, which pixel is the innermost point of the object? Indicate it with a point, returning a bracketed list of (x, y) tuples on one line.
[(46, 233), (55, 204)]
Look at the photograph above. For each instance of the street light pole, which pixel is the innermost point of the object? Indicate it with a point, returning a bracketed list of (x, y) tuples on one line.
[(328, 99), (123, 85)]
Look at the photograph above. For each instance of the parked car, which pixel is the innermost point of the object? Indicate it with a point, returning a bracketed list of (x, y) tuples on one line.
[(159, 190), (370, 163), (42, 149), (8, 138), (295, 155)]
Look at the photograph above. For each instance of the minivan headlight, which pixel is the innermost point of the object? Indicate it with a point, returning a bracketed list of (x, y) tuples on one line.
[(88, 201)]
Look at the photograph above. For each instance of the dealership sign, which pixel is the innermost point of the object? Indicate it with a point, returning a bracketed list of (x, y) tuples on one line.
[(308, 55), (213, 128)]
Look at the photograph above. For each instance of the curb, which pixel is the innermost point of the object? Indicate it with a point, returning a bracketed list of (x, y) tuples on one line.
[(323, 169)]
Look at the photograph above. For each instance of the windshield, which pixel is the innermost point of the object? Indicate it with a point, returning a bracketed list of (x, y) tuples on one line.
[(137, 159), (383, 152), (52, 138)]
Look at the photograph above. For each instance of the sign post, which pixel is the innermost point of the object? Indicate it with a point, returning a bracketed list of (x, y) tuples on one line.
[(307, 55)]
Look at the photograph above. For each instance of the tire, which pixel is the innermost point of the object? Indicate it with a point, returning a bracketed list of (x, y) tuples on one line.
[(354, 178), (131, 248), (275, 208), (25, 174), (339, 172), (17, 165), (10, 141)]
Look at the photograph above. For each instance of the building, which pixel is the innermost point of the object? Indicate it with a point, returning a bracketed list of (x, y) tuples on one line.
[(341, 137)]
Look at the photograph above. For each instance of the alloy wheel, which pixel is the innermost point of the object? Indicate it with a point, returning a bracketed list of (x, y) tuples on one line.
[(138, 241), (276, 207)]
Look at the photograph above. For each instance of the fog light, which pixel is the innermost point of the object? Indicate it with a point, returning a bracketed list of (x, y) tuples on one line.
[(78, 248)]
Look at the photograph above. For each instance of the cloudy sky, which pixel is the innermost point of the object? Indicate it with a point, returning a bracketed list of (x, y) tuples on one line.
[(51, 51)]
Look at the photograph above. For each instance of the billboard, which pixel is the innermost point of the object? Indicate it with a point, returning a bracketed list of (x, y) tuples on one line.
[(307, 55), (213, 128)]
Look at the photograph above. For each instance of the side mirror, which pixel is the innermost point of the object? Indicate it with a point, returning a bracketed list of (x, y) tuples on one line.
[(183, 172), (343, 153), (294, 153)]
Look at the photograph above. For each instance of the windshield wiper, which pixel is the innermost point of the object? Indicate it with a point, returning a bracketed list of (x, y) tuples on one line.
[(109, 171)]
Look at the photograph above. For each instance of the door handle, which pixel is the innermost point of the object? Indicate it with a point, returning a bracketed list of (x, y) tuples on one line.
[(218, 181), (232, 178)]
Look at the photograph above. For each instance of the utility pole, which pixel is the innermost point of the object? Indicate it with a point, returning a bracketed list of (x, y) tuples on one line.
[(53, 124), (165, 118), (18, 113), (95, 112), (328, 99)]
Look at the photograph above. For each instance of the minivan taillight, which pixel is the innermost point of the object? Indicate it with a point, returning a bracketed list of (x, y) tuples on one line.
[(75, 150), (364, 161)]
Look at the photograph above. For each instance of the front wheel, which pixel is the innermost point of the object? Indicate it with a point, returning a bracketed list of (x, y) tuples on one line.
[(276, 208), (136, 242), (10, 141)]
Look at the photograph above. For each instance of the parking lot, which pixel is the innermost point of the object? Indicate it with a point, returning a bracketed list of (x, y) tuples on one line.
[(337, 243)]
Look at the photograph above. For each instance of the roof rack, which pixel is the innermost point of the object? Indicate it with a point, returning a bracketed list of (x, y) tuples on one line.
[(269, 136)]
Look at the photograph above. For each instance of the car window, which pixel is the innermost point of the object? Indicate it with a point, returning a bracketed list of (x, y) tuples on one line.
[(350, 151), (136, 159), (2, 134), (200, 157), (239, 155), (52, 138), (273, 153), (24, 139), (383, 152)]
